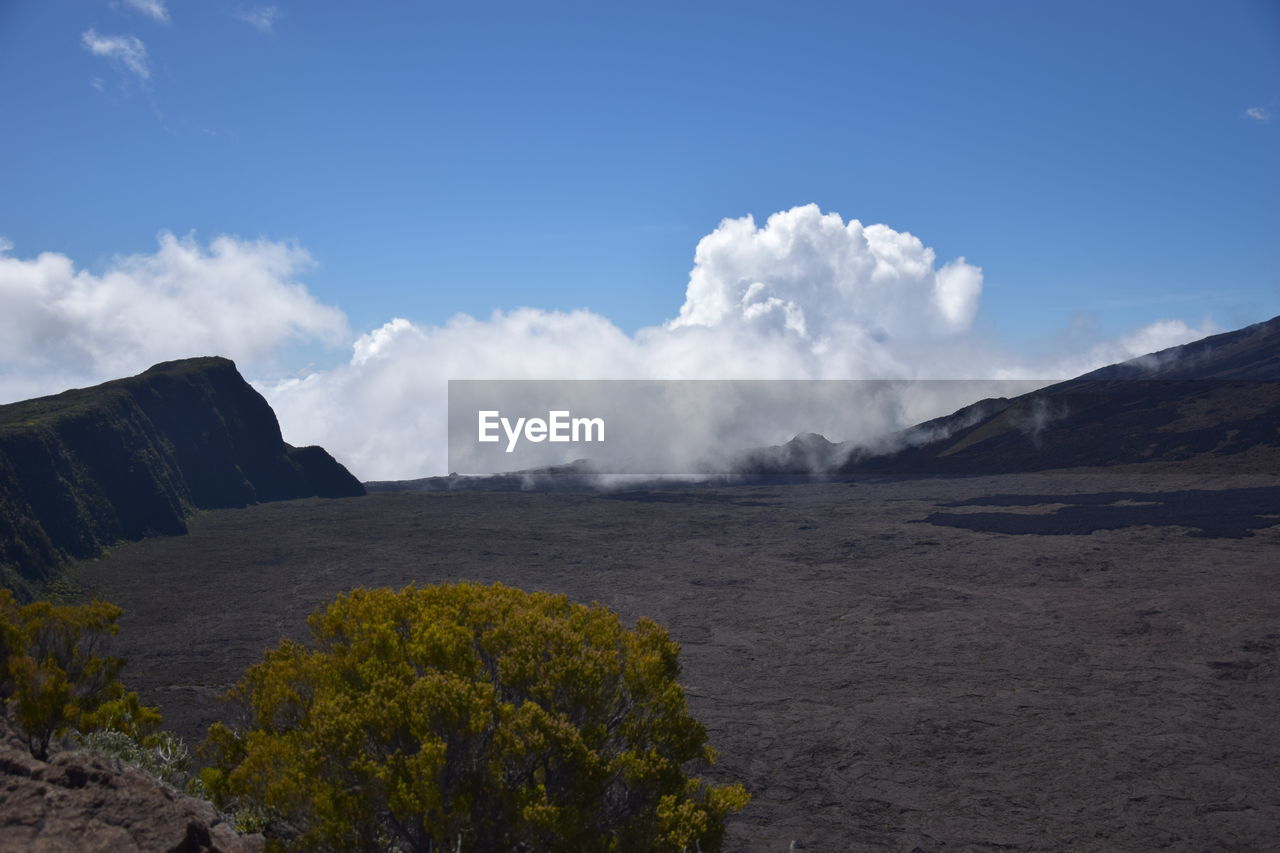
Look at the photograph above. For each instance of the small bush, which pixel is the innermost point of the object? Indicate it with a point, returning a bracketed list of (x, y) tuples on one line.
[(163, 755), (475, 718), (52, 674)]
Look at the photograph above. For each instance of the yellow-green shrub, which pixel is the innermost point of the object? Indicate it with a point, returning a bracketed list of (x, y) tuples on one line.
[(481, 716), (54, 677)]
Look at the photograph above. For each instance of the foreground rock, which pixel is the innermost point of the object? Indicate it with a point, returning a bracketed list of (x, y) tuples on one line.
[(79, 803)]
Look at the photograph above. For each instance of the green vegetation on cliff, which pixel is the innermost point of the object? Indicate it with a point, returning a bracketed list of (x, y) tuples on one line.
[(133, 457)]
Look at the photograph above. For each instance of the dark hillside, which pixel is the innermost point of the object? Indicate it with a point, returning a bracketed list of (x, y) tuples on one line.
[(1251, 354), (1205, 402), (132, 457)]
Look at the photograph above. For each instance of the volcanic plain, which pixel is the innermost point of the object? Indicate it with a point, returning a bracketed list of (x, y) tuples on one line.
[(1077, 660)]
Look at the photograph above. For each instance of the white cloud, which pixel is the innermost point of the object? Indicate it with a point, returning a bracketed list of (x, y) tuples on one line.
[(152, 8), (1151, 338), (805, 296), (127, 52), (261, 18), (6, 245), (1159, 335), (1258, 114), (815, 275), (63, 326)]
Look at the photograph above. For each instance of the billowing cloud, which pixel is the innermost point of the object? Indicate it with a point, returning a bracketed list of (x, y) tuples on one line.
[(848, 276), (151, 8), (1258, 114), (261, 18), (63, 326), (805, 296), (126, 52)]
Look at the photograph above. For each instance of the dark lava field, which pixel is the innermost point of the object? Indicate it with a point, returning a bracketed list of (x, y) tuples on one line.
[(1066, 661)]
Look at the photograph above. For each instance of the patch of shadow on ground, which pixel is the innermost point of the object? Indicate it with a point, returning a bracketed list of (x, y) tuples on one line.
[(1212, 513)]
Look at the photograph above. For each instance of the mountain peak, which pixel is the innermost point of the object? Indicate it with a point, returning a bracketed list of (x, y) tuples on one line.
[(133, 457)]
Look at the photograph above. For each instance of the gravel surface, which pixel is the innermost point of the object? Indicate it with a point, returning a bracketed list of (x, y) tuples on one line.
[(878, 681)]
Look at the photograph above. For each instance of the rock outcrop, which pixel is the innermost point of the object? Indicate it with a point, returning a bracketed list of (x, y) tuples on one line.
[(133, 457), (79, 802)]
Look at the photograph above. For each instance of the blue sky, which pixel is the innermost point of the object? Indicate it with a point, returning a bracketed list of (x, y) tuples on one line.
[(1096, 160)]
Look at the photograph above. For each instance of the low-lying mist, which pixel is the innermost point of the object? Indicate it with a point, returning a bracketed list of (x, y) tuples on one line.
[(713, 428)]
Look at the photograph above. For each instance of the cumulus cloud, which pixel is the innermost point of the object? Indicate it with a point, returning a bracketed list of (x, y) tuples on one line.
[(849, 277), (126, 52), (1258, 114), (261, 18), (151, 8), (804, 296), (62, 326)]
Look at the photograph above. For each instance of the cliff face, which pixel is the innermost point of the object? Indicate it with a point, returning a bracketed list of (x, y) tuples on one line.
[(129, 458)]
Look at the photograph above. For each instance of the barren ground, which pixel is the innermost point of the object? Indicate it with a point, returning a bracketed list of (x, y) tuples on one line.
[(877, 681)]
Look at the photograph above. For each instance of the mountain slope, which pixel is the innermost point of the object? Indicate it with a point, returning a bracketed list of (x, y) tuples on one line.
[(132, 457), (1204, 401)]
